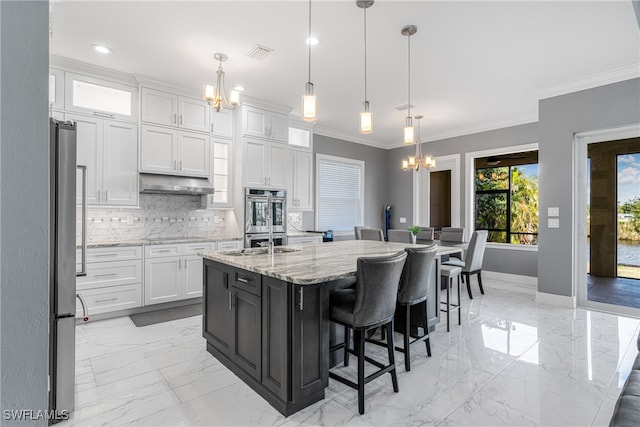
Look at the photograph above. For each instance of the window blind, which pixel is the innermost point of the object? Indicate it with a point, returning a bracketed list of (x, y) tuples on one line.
[(340, 197)]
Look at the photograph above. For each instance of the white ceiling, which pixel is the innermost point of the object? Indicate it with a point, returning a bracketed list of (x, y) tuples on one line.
[(476, 65)]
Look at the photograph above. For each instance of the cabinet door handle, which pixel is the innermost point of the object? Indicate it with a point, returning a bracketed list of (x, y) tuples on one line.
[(106, 275), (174, 165), (180, 119), (106, 196), (163, 251), (185, 264), (105, 115), (229, 300), (98, 197), (179, 263), (301, 301), (242, 280), (180, 165), (174, 118), (105, 255), (211, 127)]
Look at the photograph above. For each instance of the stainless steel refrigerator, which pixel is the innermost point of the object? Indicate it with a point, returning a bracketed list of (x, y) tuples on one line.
[(62, 264)]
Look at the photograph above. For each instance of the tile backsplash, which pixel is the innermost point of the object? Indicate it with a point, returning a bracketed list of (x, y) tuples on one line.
[(159, 216)]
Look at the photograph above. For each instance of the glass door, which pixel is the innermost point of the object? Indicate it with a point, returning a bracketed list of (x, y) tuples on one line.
[(628, 216)]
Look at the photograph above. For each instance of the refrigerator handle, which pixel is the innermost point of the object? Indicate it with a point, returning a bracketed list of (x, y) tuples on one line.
[(85, 311), (83, 271)]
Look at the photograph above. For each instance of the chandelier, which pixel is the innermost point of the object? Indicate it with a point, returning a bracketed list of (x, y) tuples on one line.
[(414, 162), (215, 95)]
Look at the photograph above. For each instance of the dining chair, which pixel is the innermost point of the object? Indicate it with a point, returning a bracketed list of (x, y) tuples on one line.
[(452, 235), (473, 257), (399, 236), (426, 234), (372, 234), (357, 229), (370, 305)]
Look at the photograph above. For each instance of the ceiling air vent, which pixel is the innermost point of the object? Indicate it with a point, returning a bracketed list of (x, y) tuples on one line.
[(404, 107), (259, 52)]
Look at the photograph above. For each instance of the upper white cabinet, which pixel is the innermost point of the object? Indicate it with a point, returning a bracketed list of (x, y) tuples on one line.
[(264, 164), (222, 123), (173, 152), (300, 138), (169, 109), (261, 123), (56, 89), (221, 178), (100, 98), (299, 185), (109, 150)]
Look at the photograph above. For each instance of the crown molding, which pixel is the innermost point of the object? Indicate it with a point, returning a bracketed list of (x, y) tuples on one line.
[(255, 102), (147, 81), (489, 126), (68, 64), (345, 136), (594, 80)]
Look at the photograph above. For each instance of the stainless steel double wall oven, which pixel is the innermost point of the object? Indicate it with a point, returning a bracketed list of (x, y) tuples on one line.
[(265, 211)]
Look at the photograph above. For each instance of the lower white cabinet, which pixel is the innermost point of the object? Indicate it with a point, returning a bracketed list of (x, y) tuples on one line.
[(229, 245), (113, 281), (300, 240), (173, 272)]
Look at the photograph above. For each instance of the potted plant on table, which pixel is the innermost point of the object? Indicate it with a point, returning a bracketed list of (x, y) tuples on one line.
[(414, 229)]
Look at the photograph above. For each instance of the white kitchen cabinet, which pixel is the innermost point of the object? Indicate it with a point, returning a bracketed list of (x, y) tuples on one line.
[(222, 123), (100, 98), (56, 89), (221, 177), (267, 124), (229, 245), (173, 272), (109, 149), (299, 183), (300, 137), (301, 240), (113, 281), (172, 152), (264, 164), (170, 109)]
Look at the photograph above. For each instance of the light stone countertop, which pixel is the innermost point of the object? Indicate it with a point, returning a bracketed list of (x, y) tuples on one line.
[(304, 233), (160, 241), (313, 263)]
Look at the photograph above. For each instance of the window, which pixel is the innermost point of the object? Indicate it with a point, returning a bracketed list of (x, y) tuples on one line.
[(340, 193), (506, 197)]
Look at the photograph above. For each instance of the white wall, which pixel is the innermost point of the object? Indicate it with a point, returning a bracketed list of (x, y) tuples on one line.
[(24, 208)]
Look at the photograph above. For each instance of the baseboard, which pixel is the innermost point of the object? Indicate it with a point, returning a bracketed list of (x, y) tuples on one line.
[(557, 300), (527, 282)]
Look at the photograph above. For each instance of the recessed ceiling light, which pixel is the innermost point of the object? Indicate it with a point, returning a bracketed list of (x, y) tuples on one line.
[(239, 88), (312, 41), (101, 48)]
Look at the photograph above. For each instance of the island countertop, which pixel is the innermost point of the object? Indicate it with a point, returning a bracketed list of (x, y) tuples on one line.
[(312, 263)]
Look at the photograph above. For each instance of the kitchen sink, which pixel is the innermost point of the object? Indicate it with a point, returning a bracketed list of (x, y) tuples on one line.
[(259, 251)]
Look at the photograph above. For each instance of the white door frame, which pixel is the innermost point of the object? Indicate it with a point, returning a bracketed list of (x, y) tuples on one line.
[(421, 180), (579, 204)]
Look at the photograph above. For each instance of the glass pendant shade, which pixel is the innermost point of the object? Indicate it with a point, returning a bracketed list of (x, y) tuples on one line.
[(215, 94), (209, 92), (405, 165), (234, 97), (409, 137), (366, 120), (309, 103)]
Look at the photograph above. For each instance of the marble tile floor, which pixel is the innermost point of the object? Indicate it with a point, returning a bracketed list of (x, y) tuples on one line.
[(512, 362)]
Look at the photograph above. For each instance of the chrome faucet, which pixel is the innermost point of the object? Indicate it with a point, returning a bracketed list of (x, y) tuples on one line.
[(270, 221)]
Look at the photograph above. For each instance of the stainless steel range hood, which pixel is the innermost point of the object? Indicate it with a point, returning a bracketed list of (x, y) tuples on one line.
[(169, 184)]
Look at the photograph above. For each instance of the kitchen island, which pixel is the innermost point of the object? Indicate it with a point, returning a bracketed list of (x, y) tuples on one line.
[(266, 317)]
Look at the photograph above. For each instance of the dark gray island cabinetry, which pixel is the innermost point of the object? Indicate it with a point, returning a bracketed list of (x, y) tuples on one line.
[(273, 334), (266, 316)]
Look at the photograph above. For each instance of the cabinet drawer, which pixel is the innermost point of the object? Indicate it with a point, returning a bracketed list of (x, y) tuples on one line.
[(117, 253), (155, 251), (104, 300), (303, 240), (229, 245), (195, 248), (103, 274), (247, 281)]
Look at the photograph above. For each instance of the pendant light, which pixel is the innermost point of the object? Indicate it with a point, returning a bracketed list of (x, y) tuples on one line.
[(366, 117), (409, 137), (309, 100), (414, 162)]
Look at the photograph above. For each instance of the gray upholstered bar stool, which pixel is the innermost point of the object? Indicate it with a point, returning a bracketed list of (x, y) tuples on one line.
[(357, 229), (425, 235), (371, 304), (372, 234), (472, 263), (399, 236), (416, 280), (447, 274)]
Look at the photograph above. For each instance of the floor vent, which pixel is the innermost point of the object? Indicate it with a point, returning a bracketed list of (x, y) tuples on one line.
[(259, 52)]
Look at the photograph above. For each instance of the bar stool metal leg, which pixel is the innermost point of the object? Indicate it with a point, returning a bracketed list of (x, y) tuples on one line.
[(347, 339), (392, 360)]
